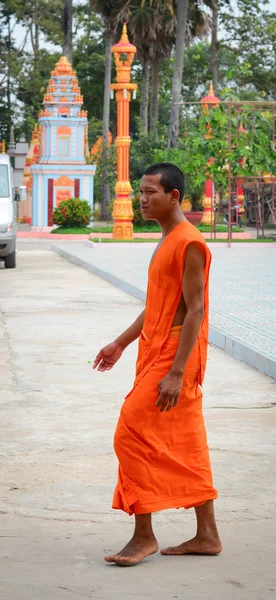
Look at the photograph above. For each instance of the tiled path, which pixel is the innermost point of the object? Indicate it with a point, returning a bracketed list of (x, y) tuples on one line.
[(243, 291)]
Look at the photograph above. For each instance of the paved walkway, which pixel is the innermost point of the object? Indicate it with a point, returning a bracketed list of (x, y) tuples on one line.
[(243, 291), (58, 470)]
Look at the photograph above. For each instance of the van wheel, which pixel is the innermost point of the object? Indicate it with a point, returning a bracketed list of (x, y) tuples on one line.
[(10, 261)]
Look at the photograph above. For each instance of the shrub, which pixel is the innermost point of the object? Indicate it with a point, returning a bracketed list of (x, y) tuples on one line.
[(137, 219), (72, 213)]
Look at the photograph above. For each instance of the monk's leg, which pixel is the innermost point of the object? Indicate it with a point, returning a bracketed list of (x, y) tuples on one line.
[(142, 544), (207, 539)]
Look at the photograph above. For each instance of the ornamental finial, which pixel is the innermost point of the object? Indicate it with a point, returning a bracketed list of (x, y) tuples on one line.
[(124, 37)]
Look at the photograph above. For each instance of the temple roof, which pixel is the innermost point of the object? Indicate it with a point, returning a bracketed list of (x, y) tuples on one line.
[(63, 85)]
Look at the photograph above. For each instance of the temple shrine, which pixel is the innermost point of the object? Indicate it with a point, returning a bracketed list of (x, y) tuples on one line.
[(57, 165)]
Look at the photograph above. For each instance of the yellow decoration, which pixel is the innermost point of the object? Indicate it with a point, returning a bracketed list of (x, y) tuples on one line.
[(186, 205), (122, 210)]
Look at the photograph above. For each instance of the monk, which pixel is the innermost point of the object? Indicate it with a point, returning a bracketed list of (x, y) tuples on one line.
[(160, 440)]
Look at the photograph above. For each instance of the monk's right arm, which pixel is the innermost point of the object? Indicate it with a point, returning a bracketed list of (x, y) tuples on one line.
[(132, 333)]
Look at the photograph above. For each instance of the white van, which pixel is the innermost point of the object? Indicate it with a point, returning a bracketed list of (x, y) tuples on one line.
[(8, 199)]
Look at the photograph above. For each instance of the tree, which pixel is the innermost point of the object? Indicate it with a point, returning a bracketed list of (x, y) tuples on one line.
[(192, 23), (250, 35), (10, 65), (111, 12), (151, 24), (141, 21), (67, 25), (214, 43), (162, 47)]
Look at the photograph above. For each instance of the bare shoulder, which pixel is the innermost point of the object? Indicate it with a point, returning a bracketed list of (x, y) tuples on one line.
[(195, 255)]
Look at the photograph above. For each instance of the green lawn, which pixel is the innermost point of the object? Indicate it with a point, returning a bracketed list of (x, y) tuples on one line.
[(137, 229), (219, 228), (155, 241), (134, 241), (241, 241), (73, 230)]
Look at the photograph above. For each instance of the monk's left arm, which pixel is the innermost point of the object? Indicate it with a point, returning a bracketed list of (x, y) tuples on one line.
[(193, 293)]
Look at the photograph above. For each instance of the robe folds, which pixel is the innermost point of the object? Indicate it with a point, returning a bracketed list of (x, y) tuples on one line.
[(163, 456)]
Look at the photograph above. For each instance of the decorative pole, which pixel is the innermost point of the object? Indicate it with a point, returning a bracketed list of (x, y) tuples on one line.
[(122, 211), (210, 101), (240, 192)]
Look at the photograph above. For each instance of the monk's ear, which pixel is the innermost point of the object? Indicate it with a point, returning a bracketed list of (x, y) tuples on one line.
[(175, 194)]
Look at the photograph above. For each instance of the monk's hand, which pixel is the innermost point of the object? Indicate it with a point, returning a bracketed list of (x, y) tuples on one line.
[(108, 356), (169, 389)]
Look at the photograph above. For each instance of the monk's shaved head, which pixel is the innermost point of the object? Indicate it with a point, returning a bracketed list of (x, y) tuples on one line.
[(172, 177)]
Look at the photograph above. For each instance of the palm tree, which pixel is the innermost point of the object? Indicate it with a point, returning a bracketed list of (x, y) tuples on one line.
[(192, 22), (67, 29), (181, 20), (214, 43), (141, 21), (162, 47), (150, 24), (111, 11)]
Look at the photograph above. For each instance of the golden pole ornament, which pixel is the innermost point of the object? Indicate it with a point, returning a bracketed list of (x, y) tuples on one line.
[(122, 210), (210, 101)]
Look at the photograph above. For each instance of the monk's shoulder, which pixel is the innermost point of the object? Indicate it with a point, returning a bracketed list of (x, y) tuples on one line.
[(187, 236)]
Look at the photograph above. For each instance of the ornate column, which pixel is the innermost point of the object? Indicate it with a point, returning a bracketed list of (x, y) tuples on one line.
[(240, 194), (122, 210), (210, 101)]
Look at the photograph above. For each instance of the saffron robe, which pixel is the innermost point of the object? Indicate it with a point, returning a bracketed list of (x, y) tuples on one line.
[(164, 457)]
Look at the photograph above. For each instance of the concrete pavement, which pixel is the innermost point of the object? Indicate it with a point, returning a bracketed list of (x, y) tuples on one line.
[(242, 291), (58, 470)]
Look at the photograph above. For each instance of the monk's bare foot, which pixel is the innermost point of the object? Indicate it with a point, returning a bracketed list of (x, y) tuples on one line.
[(135, 551), (198, 545)]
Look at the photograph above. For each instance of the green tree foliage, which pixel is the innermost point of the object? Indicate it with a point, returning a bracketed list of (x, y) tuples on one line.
[(250, 44), (248, 154)]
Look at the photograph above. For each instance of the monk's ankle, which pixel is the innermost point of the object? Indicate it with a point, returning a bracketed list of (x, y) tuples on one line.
[(146, 537), (209, 534)]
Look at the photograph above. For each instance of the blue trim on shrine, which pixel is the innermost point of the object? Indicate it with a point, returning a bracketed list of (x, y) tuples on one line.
[(45, 204), (35, 200), (91, 194), (73, 168)]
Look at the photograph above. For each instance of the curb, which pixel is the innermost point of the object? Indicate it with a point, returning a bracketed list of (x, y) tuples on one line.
[(217, 338)]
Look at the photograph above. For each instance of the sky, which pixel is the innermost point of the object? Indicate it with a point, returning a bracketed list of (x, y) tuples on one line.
[(19, 31)]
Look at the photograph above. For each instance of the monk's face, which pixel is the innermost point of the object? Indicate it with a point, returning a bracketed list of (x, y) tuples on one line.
[(155, 202)]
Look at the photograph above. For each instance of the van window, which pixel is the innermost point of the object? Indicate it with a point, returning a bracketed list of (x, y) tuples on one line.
[(4, 182)]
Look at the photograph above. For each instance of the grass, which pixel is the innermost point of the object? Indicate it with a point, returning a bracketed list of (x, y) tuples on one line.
[(134, 241), (155, 241), (73, 230), (247, 241), (137, 229), (219, 228)]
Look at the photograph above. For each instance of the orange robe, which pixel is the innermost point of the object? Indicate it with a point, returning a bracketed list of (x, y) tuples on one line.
[(164, 457)]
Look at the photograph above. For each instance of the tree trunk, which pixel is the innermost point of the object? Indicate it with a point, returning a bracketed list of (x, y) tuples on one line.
[(154, 94), (9, 111), (145, 95), (214, 44), (36, 36), (67, 29), (182, 9), (105, 189)]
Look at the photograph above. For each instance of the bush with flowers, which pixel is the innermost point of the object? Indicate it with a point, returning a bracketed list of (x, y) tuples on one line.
[(72, 213)]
